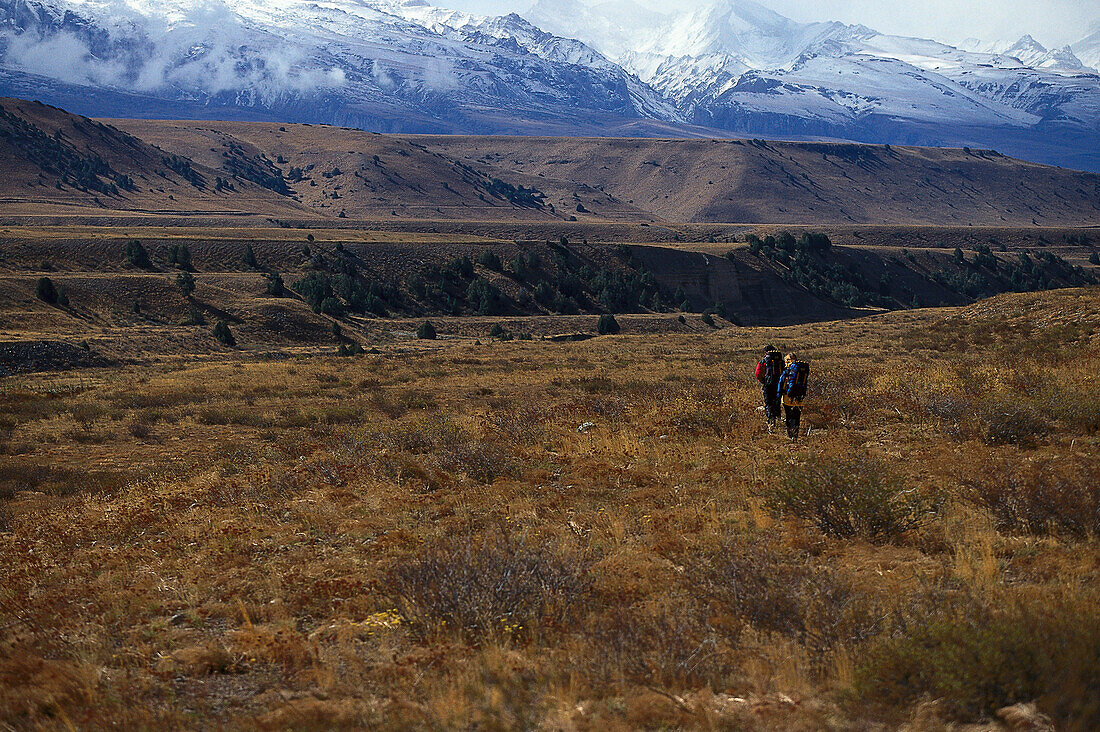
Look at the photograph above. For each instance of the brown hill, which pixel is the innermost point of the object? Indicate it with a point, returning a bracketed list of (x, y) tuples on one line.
[(370, 176), (58, 164), (54, 162)]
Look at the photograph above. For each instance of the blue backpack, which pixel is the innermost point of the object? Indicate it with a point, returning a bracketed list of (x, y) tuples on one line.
[(796, 386)]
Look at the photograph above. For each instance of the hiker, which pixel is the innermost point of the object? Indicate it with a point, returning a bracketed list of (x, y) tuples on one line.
[(792, 389), (767, 373)]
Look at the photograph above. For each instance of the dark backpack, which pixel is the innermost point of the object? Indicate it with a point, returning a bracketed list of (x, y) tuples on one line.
[(796, 389), (768, 370)]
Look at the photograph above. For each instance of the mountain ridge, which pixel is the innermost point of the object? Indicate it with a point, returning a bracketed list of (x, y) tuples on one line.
[(726, 70)]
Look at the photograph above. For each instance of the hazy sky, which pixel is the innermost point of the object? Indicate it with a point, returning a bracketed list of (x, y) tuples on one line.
[(1051, 22)]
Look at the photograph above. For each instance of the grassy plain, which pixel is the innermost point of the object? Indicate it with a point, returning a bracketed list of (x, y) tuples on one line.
[(600, 534)]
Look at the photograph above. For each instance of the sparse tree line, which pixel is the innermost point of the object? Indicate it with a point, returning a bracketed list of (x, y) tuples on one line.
[(564, 283), (986, 274), (56, 157), (805, 261), (806, 264)]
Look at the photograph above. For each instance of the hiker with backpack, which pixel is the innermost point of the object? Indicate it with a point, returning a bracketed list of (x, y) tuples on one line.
[(768, 371), (792, 390)]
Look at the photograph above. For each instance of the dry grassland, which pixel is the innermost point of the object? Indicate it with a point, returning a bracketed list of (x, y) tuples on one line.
[(594, 535)]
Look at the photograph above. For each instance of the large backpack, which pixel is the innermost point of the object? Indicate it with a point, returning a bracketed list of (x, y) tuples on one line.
[(769, 368), (796, 389)]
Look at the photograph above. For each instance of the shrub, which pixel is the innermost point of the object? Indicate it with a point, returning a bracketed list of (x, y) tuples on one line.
[(136, 255), (481, 460), (223, 334), (847, 497), (1077, 405), (46, 291), (62, 297), (1040, 498), (1010, 420), (788, 595), (607, 325), (521, 426), (487, 589), (426, 331), (250, 257), (666, 646), (351, 348), (708, 319), (979, 660), (86, 414)]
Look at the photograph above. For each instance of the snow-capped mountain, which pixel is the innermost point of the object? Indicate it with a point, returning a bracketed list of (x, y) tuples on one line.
[(1033, 54), (738, 66), (379, 65), (568, 67)]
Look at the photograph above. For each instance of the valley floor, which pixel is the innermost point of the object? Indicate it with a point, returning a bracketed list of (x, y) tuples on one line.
[(565, 535)]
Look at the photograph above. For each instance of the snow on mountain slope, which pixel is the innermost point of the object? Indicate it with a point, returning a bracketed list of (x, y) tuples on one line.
[(345, 61), (513, 29), (572, 67), (614, 27), (1033, 54), (739, 66), (1088, 48)]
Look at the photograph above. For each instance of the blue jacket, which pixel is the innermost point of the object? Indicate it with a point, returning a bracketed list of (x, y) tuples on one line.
[(786, 381)]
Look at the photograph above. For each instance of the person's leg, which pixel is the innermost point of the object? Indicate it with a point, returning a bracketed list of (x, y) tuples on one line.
[(771, 407), (794, 417)]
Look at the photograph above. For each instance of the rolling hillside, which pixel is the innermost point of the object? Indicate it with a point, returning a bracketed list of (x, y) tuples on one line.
[(307, 172), (59, 163)]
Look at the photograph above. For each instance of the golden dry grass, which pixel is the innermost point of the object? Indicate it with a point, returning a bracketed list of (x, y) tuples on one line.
[(429, 540)]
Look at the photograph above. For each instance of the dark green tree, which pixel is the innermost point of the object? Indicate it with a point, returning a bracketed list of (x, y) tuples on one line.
[(489, 260), (46, 291), (223, 334), (250, 257), (333, 307), (426, 331), (186, 282), (607, 325), (275, 286), (136, 255), (179, 256)]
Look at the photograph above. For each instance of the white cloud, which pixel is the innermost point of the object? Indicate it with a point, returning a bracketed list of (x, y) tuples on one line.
[(1051, 22), (196, 49)]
